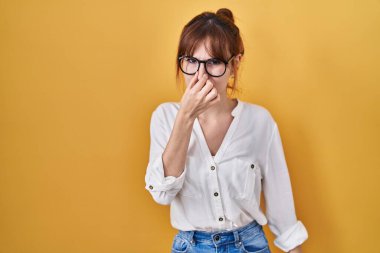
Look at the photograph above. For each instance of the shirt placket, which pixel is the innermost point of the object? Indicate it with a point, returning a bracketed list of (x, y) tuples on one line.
[(214, 184)]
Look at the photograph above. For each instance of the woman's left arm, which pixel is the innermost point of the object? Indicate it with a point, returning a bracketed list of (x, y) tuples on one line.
[(280, 210)]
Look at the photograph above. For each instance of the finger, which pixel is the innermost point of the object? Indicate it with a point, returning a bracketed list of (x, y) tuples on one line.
[(201, 82), (212, 94), (193, 80), (207, 87), (214, 100)]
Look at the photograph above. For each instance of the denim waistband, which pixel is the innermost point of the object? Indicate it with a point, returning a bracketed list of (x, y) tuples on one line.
[(223, 236)]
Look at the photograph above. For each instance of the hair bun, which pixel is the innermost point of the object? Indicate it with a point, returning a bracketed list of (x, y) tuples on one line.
[(226, 13)]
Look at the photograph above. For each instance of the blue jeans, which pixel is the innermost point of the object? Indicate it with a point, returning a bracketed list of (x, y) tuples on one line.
[(247, 239)]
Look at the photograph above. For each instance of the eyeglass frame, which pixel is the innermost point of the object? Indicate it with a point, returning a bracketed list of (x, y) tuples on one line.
[(204, 61)]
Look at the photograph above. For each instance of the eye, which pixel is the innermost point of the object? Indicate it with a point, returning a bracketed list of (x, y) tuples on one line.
[(214, 61), (190, 59)]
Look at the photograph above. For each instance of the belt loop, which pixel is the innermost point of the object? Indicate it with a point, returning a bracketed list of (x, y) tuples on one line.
[(237, 239), (191, 237)]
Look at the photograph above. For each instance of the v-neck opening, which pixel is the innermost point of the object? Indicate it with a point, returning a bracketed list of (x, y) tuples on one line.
[(226, 139)]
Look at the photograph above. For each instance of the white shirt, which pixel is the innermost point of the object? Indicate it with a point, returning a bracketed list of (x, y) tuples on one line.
[(223, 192)]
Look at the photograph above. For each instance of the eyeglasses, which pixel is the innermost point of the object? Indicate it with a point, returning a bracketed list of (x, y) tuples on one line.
[(214, 67)]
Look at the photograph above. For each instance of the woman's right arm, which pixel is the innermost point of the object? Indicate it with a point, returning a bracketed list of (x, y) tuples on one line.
[(168, 148), (174, 156)]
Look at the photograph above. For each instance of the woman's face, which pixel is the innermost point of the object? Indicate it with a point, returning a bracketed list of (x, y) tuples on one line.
[(220, 83)]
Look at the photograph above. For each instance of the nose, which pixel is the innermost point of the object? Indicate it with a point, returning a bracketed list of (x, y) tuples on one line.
[(202, 69)]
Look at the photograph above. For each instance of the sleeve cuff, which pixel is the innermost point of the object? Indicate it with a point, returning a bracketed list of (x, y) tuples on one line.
[(292, 237), (156, 180)]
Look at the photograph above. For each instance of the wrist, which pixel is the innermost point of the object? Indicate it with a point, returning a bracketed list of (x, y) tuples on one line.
[(186, 116)]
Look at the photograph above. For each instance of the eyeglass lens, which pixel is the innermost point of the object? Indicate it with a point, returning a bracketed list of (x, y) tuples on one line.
[(214, 67)]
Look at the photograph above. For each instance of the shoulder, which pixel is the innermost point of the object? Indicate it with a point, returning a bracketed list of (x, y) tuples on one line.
[(165, 112), (167, 108), (258, 112)]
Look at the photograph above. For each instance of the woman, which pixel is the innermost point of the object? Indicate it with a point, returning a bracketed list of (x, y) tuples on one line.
[(210, 155)]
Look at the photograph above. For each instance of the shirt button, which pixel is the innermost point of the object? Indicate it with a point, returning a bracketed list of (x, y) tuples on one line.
[(216, 194), (221, 219), (150, 187), (217, 238), (252, 166), (213, 167)]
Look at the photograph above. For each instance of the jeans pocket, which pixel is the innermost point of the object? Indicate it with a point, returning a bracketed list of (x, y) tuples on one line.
[(255, 244), (180, 245), (264, 250)]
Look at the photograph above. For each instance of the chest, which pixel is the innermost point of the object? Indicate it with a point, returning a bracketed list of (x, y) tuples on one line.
[(215, 132)]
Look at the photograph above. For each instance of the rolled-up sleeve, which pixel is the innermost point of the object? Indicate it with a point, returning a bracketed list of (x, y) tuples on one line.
[(279, 203), (163, 189)]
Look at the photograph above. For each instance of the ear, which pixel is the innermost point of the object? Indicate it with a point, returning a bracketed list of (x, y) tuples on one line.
[(237, 60)]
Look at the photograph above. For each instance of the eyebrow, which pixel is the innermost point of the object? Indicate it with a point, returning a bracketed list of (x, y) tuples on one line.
[(205, 59)]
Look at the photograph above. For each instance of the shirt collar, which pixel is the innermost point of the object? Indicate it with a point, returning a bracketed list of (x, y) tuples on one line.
[(236, 111)]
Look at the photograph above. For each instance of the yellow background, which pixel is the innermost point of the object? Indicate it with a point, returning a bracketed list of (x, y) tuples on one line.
[(80, 79)]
